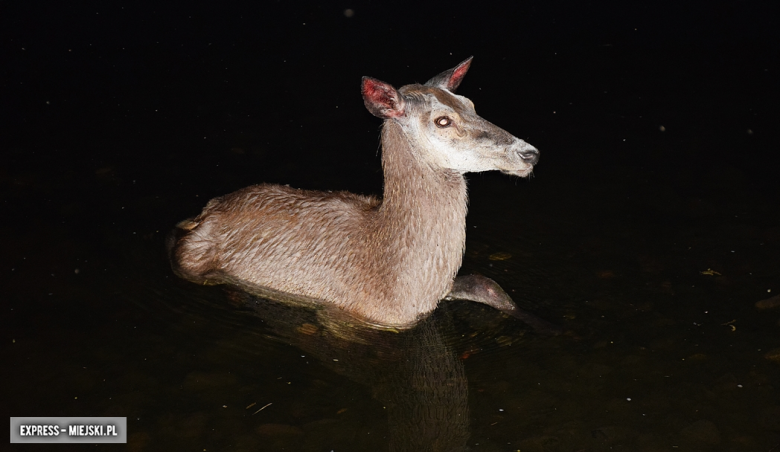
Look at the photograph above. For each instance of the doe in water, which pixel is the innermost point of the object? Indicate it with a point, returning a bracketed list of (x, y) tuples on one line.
[(389, 260)]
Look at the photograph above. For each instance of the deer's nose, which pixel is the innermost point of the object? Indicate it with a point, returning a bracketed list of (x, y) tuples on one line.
[(529, 155)]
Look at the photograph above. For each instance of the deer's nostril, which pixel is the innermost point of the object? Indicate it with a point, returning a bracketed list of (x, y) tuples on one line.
[(530, 156)]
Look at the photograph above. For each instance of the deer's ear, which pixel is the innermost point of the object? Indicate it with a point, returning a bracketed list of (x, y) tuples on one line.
[(450, 79), (381, 99)]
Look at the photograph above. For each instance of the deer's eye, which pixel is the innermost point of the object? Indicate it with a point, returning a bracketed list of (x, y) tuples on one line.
[(443, 121)]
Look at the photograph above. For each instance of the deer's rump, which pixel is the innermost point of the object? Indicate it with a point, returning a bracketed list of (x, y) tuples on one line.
[(276, 237)]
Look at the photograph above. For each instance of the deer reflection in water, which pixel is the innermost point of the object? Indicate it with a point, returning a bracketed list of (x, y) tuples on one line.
[(414, 374)]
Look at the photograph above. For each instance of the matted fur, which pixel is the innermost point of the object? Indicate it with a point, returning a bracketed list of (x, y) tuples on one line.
[(387, 261)]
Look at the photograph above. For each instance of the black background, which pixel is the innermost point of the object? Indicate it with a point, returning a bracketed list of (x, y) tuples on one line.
[(97, 81), (657, 124)]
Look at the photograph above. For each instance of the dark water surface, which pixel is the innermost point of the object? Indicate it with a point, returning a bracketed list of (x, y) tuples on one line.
[(650, 229), (95, 323)]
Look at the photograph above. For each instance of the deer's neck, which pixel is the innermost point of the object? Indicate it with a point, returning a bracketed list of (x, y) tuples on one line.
[(422, 219)]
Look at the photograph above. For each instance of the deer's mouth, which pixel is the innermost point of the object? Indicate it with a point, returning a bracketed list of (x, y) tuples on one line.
[(519, 172)]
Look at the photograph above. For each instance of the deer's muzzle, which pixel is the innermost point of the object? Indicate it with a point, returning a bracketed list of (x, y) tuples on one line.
[(530, 155)]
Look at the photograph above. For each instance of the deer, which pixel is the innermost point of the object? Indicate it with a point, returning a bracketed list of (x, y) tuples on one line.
[(386, 261)]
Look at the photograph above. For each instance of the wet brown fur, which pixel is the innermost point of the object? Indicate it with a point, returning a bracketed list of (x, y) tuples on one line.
[(387, 261)]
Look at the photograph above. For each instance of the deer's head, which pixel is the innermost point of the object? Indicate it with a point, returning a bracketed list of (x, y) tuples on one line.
[(444, 128)]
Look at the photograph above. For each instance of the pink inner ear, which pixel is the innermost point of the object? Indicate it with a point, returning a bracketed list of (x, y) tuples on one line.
[(458, 74), (378, 94), (382, 97)]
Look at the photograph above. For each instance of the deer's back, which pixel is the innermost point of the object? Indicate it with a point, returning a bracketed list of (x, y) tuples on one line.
[(297, 241)]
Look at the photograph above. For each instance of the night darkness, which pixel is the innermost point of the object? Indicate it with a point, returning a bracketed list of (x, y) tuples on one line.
[(657, 124)]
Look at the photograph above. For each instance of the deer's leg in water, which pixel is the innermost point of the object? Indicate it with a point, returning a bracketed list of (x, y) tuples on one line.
[(486, 291)]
